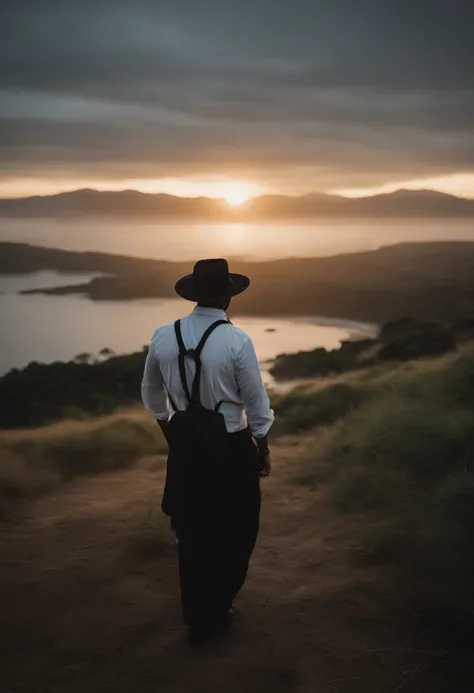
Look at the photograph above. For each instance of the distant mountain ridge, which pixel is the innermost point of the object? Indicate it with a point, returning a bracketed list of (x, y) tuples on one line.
[(131, 203)]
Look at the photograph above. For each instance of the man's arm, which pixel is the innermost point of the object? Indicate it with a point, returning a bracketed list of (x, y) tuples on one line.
[(154, 394), (257, 403)]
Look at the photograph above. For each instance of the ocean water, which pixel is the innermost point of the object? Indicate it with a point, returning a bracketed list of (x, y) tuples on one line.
[(189, 241), (48, 328)]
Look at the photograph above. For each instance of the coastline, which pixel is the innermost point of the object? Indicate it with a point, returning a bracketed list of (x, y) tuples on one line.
[(366, 329), (104, 324), (356, 330)]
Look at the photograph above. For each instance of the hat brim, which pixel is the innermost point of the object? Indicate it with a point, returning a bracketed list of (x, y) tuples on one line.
[(185, 287)]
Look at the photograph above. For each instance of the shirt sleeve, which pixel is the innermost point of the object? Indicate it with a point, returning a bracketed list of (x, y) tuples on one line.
[(252, 390), (154, 395)]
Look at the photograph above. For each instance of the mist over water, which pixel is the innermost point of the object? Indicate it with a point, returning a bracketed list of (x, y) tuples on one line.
[(189, 241)]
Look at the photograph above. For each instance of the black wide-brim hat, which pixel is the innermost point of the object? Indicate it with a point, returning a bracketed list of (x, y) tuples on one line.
[(211, 281)]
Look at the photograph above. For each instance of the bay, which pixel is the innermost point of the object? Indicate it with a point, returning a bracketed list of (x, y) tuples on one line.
[(48, 328)]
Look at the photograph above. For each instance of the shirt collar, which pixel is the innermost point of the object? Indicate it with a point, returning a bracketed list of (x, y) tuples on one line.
[(218, 313)]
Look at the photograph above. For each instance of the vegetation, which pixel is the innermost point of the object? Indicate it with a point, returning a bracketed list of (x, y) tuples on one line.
[(394, 455), (35, 460), (401, 340), (400, 466), (303, 410), (40, 393), (84, 387)]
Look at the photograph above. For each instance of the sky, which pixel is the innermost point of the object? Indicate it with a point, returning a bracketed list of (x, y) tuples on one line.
[(234, 98)]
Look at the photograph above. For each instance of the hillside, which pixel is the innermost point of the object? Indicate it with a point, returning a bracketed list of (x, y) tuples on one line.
[(361, 580), (130, 203), (433, 281)]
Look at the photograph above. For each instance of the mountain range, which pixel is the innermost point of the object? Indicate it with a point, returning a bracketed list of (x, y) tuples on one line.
[(131, 203)]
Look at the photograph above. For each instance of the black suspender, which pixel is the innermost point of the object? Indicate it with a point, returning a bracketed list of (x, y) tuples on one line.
[(194, 395), (182, 353)]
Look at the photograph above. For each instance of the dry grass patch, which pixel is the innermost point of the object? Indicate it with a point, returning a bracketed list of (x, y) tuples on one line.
[(34, 460)]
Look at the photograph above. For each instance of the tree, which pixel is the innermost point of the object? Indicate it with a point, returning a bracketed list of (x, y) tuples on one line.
[(82, 358)]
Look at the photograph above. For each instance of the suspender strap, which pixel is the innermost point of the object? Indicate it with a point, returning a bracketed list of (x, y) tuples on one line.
[(194, 396), (182, 354), (196, 388), (207, 334)]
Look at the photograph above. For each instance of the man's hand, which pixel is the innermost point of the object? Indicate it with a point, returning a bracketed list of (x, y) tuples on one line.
[(263, 456), (265, 463)]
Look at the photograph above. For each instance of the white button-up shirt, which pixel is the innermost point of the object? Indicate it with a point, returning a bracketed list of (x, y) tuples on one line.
[(230, 373)]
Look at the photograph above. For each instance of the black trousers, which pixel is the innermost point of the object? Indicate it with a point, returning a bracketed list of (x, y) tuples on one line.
[(215, 510)]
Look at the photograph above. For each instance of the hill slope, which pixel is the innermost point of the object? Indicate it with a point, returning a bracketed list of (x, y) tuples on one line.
[(361, 580)]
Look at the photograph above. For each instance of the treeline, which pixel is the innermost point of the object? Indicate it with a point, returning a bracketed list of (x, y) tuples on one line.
[(400, 340), (42, 393)]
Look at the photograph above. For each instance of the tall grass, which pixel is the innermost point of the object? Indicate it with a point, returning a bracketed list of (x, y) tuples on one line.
[(300, 411), (34, 460), (402, 466)]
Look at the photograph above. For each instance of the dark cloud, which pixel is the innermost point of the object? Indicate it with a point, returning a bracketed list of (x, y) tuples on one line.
[(357, 91)]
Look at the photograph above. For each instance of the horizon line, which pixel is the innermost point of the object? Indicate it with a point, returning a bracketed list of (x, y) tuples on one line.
[(251, 198)]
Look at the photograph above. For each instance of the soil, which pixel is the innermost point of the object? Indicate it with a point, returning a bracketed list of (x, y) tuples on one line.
[(89, 601)]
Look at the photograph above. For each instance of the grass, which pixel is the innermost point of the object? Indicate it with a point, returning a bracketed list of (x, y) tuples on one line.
[(400, 468), (394, 456), (300, 411), (35, 460)]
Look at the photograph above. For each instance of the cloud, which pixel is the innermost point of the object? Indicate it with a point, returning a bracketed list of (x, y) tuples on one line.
[(299, 93)]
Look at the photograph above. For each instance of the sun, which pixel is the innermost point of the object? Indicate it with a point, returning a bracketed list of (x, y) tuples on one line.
[(236, 198), (236, 194)]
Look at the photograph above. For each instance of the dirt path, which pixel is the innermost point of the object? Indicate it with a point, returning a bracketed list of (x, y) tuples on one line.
[(85, 608)]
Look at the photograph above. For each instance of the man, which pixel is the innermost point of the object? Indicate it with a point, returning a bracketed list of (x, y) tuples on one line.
[(202, 384)]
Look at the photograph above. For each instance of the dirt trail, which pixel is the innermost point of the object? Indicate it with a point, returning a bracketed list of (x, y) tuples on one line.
[(82, 610)]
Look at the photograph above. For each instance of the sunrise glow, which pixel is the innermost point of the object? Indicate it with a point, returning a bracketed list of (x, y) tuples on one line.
[(237, 194), (236, 198)]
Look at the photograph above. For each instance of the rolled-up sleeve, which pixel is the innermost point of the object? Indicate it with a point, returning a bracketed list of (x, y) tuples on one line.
[(252, 390), (154, 395)]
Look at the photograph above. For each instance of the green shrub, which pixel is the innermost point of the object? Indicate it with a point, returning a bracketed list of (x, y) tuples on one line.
[(303, 410), (411, 436), (450, 383)]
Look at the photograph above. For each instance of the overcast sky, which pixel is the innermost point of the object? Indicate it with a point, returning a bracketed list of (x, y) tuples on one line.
[(288, 96)]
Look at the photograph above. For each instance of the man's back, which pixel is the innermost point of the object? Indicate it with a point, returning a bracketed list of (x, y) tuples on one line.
[(216, 454), (230, 372)]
